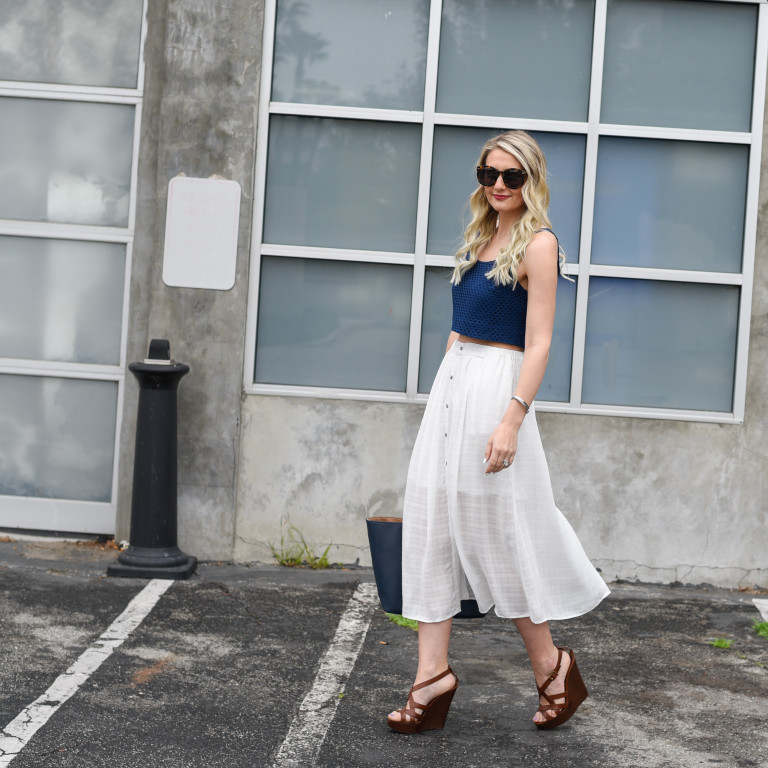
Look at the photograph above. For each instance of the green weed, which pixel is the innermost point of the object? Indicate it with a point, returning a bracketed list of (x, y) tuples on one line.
[(721, 642), (401, 621), (294, 552), (761, 628)]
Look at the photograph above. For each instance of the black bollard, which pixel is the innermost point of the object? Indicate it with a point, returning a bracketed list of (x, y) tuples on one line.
[(153, 552)]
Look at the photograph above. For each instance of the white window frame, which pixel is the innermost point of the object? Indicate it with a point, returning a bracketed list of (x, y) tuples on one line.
[(592, 129), (70, 515)]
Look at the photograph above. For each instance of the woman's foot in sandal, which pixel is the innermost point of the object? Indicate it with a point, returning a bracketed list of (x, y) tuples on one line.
[(428, 708), (561, 692)]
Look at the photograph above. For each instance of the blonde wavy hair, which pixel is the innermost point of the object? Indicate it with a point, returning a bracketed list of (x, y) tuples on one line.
[(523, 147)]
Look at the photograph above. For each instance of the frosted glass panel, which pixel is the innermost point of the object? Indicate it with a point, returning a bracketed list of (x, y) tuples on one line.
[(362, 53), (454, 158), (76, 42), (436, 325), (556, 384), (333, 323), (342, 183), (663, 344), (57, 437), (516, 58), (673, 204), (61, 300), (65, 161), (679, 64)]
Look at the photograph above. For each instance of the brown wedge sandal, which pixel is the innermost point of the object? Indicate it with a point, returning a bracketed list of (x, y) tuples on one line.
[(575, 692), (425, 717)]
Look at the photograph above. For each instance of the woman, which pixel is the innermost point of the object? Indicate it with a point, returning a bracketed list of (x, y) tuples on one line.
[(479, 519)]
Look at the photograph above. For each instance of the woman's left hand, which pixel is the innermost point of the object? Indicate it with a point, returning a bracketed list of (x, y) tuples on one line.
[(501, 447)]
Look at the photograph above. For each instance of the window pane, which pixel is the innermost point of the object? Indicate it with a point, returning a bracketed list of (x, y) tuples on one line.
[(556, 385), (333, 323), (76, 42), (454, 158), (679, 64), (61, 300), (670, 204), (625, 362), (342, 183), (435, 323), (515, 58), (65, 161), (361, 53), (57, 437)]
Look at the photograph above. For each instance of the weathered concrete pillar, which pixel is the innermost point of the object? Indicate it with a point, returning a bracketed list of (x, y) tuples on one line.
[(199, 118)]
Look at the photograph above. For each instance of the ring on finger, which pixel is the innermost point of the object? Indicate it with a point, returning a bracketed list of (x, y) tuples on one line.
[(505, 463)]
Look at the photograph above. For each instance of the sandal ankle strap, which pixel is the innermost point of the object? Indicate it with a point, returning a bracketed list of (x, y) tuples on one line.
[(447, 671), (553, 674)]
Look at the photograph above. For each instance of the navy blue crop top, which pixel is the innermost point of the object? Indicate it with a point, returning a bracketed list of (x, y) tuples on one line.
[(484, 310)]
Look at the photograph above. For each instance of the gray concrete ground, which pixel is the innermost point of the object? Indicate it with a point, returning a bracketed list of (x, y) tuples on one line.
[(216, 672)]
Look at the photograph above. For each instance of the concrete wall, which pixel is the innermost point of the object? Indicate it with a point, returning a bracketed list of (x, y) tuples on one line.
[(653, 500), (657, 501), (203, 63), (322, 466)]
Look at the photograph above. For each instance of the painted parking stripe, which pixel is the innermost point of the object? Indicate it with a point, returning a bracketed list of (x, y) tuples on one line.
[(762, 606), (310, 726), (15, 736)]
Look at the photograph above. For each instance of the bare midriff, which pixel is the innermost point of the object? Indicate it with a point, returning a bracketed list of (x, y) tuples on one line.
[(500, 344)]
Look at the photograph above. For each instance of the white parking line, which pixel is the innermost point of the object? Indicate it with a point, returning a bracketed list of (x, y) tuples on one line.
[(15, 735), (762, 606), (310, 726)]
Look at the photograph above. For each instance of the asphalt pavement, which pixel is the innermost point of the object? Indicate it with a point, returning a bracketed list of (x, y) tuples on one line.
[(257, 665)]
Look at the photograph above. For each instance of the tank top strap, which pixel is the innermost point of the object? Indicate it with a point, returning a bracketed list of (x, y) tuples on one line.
[(547, 229), (560, 252)]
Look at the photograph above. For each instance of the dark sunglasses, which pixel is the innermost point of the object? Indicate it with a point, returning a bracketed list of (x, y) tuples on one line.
[(514, 178)]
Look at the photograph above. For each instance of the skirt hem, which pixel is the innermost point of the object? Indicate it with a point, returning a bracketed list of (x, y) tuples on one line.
[(558, 616)]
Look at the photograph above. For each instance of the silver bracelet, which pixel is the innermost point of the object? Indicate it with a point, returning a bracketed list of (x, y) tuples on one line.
[(522, 402)]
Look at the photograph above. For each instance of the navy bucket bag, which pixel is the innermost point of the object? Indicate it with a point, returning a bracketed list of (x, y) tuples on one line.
[(385, 536)]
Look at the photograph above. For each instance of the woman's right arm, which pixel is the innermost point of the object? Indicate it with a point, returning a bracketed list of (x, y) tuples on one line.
[(451, 338)]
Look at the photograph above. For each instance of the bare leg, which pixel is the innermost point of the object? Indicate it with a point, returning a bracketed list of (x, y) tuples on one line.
[(543, 655), (433, 659)]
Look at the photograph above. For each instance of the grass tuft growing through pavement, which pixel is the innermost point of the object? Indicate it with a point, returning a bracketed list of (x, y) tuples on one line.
[(761, 628), (296, 553), (721, 642), (401, 621)]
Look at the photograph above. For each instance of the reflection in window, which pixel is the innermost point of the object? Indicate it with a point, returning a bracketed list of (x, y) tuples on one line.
[(61, 300), (670, 204), (342, 183), (663, 344), (516, 58), (333, 323), (73, 42), (679, 64), (57, 437), (361, 53), (65, 161)]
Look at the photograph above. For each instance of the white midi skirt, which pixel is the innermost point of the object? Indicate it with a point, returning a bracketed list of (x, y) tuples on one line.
[(497, 538)]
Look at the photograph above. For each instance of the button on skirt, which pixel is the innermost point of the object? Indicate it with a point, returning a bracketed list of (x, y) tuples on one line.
[(497, 538)]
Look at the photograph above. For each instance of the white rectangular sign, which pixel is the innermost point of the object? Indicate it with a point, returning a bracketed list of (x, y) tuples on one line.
[(201, 233)]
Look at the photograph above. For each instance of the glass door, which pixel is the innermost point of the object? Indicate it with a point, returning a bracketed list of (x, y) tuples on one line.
[(71, 82)]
